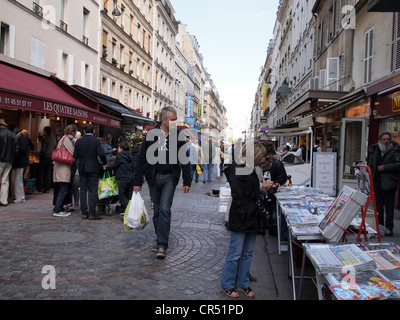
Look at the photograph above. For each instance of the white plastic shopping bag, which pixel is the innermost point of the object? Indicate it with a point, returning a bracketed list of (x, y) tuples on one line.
[(136, 216)]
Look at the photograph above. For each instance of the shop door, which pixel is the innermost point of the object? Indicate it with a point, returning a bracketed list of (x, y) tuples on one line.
[(353, 147)]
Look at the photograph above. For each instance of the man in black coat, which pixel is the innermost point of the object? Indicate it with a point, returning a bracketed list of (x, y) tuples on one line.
[(159, 161), (384, 161), (88, 150), (21, 161)]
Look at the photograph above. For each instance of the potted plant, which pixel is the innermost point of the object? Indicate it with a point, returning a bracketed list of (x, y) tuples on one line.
[(122, 67), (114, 61), (104, 53), (130, 72)]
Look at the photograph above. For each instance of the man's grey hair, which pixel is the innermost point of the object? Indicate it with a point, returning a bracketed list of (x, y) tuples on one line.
[(165, 110)]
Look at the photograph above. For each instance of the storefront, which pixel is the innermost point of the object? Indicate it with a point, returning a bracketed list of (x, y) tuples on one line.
[(385, 110), (342, 128), (33, 100)]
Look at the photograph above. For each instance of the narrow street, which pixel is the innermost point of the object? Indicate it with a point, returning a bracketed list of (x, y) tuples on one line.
[(99, 260)]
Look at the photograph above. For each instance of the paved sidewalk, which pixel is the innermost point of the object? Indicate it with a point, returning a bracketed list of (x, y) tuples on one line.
[(99, 260)]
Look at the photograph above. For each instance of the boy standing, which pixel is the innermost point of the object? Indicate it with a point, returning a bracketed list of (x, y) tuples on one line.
[(124, 171)]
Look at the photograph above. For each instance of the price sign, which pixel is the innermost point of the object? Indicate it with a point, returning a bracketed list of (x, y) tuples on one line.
[(324, 172)]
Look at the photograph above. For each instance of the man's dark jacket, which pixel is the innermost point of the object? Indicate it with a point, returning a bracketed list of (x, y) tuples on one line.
[(147, 170), (389, 177), (88, 150), (8, 145)]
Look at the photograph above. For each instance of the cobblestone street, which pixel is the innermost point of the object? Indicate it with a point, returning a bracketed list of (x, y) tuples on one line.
[(99, 260)]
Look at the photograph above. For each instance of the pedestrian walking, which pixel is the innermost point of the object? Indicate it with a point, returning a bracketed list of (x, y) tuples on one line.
[(243, 221), (208, 157), (88, 150), (162, 169), (193, 159), (21, 161), (48, 144), (62, 172), (217, 160), (124, 172), (384, 161), (8, 149)]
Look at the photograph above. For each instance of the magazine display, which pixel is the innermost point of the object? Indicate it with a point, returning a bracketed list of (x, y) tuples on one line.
[(330, 258), (341, 213)]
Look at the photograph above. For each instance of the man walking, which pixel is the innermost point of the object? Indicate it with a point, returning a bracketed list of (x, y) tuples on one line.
[(384, 161), (159, 162), (8, 148), (87, 150), (208, 156)]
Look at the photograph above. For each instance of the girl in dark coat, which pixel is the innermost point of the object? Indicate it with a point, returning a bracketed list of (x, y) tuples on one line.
[(243, 222)]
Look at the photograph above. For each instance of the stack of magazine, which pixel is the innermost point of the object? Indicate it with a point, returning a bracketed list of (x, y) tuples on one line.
[(343, 210), (331, 258)]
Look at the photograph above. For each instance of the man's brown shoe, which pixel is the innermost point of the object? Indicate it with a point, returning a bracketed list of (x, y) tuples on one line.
[(161, 254), (95, 218)]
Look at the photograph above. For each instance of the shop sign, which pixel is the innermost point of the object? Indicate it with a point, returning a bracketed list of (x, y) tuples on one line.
[(12, 100), (387, 105)]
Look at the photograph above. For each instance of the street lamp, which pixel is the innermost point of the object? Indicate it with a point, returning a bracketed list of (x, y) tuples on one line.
[(115, 12)]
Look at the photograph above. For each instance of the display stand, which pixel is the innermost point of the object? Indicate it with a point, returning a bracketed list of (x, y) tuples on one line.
[(371, 196)]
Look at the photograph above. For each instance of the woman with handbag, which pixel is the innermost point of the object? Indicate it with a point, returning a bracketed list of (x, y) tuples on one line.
[(243, 220), (62, 169)]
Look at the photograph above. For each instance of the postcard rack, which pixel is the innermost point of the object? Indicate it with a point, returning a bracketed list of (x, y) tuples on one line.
[(365, 184)]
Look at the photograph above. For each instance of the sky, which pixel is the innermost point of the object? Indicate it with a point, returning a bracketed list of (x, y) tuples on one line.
[(233, 36)]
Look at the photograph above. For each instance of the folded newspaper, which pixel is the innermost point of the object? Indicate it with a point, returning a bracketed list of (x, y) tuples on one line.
[(343, 210), (329, 258)]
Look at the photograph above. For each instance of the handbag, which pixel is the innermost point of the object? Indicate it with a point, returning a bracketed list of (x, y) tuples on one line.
[(62, 155), (108, 186), (136, 216)]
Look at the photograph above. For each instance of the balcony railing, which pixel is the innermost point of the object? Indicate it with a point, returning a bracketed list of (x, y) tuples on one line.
[(63, 26), (85, 40), (37, 9)]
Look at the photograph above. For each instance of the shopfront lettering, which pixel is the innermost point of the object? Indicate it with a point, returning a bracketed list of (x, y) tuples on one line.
[(14, 102), (61, 109), (396, 102)]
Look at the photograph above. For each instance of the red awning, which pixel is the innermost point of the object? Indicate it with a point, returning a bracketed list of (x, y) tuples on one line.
[(20, 89)]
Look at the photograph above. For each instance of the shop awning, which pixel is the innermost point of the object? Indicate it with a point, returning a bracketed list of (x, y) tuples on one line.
[(288, 132), (26, 90), (129, 116)]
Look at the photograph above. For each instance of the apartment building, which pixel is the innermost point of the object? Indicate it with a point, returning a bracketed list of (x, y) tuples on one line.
[(165, 30), (60, 37), (127, 53)]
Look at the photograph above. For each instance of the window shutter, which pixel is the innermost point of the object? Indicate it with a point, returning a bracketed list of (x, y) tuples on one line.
[(368, 54), (333, 73)]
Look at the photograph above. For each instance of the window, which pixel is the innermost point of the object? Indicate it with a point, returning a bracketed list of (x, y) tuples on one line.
[(368, 53), (4, 38), (37, 53), (85, 39), (341, 71), (395, 63)]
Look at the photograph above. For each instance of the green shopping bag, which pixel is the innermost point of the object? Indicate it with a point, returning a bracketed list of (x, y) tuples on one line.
[(108, 186)]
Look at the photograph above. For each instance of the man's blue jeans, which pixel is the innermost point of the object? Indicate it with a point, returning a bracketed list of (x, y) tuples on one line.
[(237, 262), (162, 189)]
